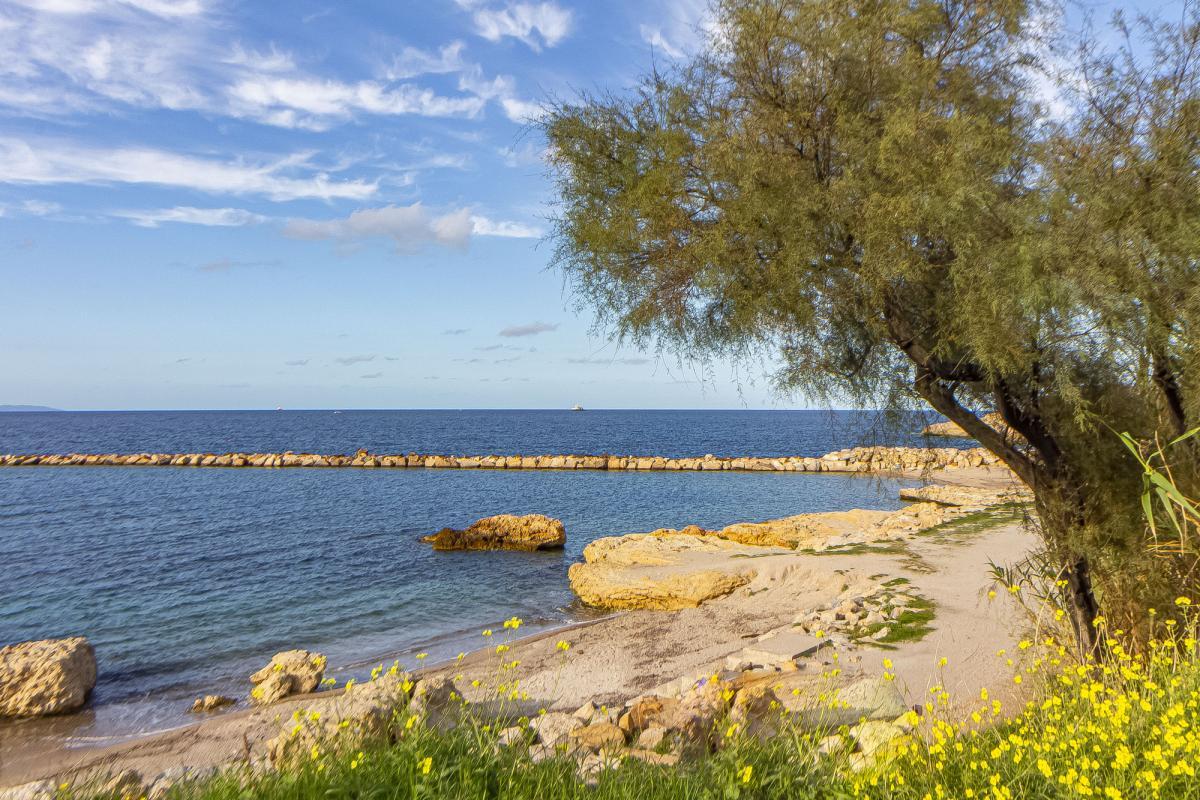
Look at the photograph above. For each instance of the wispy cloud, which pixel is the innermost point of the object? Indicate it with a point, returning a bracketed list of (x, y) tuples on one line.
[(226, 264), (349, 361), (213, 217), (54, 162), (410, 227), (482, 226), (40, 208), (528, 329), (535, 24), (455, 331), (609, 361), (412, 62)]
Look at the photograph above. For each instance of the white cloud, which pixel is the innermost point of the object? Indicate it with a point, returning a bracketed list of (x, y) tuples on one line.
[(413, 61), (273, 60), (528, 329), (288, 178), (681, 27), (535, 24), (160, 8), (482, 226), (40, 208), (502, 89), (313, 103), (653, 36), (213, 217), (410, 227)]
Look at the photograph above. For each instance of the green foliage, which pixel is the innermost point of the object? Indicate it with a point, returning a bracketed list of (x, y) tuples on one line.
[(874, 196)]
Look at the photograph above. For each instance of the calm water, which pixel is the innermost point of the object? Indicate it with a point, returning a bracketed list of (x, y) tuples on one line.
[(187, 580)]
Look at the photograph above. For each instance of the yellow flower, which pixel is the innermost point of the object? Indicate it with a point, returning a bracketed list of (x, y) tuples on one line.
[(421, 656), (746, 773), (563, 646), (942, 661), (460, 656), (487, 632), (426, 765), (887, 663), (1182, 601), (513, 623)]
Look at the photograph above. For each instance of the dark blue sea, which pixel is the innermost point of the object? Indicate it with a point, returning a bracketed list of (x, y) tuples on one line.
[(186, 580)]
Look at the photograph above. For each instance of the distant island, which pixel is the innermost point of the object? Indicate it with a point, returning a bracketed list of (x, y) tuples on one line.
[(27, 408)]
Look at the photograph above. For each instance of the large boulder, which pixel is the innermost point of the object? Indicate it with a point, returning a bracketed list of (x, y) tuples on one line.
[(503, 532), (290, 672), (52, 676), (661, 572)]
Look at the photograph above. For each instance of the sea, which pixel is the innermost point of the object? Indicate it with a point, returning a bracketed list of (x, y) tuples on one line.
[(186, 580)]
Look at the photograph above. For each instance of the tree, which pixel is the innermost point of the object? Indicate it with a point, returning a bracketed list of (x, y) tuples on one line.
[(870, 191)]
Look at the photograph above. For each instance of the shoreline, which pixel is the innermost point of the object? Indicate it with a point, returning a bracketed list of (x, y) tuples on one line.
[(607, 662)]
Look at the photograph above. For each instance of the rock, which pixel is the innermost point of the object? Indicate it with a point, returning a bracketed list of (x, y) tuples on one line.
[(652, 737), (652, 757), (211, 702), (51, 676), (833, 745), (37, 790), (366, 710), (585, 712), (952, 429), (433, 695), (647, 711), (554, 727), (125, 785), (511, 736), (877, 740), (696, 715), (661, 572), (785, 646), (966, 496), (290, 672), (881, 634), (503, 532), (868, 698), (599, 736), (272, 689)]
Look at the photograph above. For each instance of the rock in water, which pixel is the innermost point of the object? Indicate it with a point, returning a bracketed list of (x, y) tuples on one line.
[(211, 702), (47, 677), (503, 532), (290, 672)]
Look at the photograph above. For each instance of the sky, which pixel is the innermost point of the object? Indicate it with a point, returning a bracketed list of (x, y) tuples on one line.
[(233, 204)]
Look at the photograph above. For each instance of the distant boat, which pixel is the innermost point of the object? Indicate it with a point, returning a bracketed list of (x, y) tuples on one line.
[(279, 408), (577, 407)]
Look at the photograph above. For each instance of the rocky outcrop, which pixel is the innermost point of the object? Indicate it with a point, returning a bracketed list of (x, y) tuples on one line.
[(290, 672), (504, 532), (858, 459), (969, 497), (52, 676), (660, 572), (992, 420)]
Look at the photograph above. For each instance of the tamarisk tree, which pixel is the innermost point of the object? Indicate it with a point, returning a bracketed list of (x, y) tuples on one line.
[(874, 193)]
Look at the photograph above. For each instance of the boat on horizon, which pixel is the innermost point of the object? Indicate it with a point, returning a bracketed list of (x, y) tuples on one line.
[(577, 407)]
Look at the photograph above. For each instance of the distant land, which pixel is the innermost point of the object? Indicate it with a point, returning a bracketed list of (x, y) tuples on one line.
[(27, 408)]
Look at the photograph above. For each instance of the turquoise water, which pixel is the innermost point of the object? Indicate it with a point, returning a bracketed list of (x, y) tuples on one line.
[(187, 580)]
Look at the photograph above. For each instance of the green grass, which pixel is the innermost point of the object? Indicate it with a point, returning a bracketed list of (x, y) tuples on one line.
[(913, 625)]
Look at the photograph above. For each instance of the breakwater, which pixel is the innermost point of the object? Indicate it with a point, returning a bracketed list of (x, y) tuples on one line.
[(857, 459)]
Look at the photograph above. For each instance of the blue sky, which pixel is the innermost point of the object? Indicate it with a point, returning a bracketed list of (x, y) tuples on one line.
[(228, 204), (224, 204)]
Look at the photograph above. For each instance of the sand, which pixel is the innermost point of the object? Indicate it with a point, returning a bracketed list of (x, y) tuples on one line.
[(623, 655)]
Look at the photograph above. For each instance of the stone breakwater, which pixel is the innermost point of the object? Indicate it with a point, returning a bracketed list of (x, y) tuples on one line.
[(858, 459)]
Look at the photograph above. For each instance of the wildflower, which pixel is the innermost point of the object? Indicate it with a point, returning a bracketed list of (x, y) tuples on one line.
[(501, 648), (487, 632), (1182, 601), (426, 765), (887, 663), (562, 646), (460, 656), (421, 656), (942, 661), (513, 623), (745, 773)]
